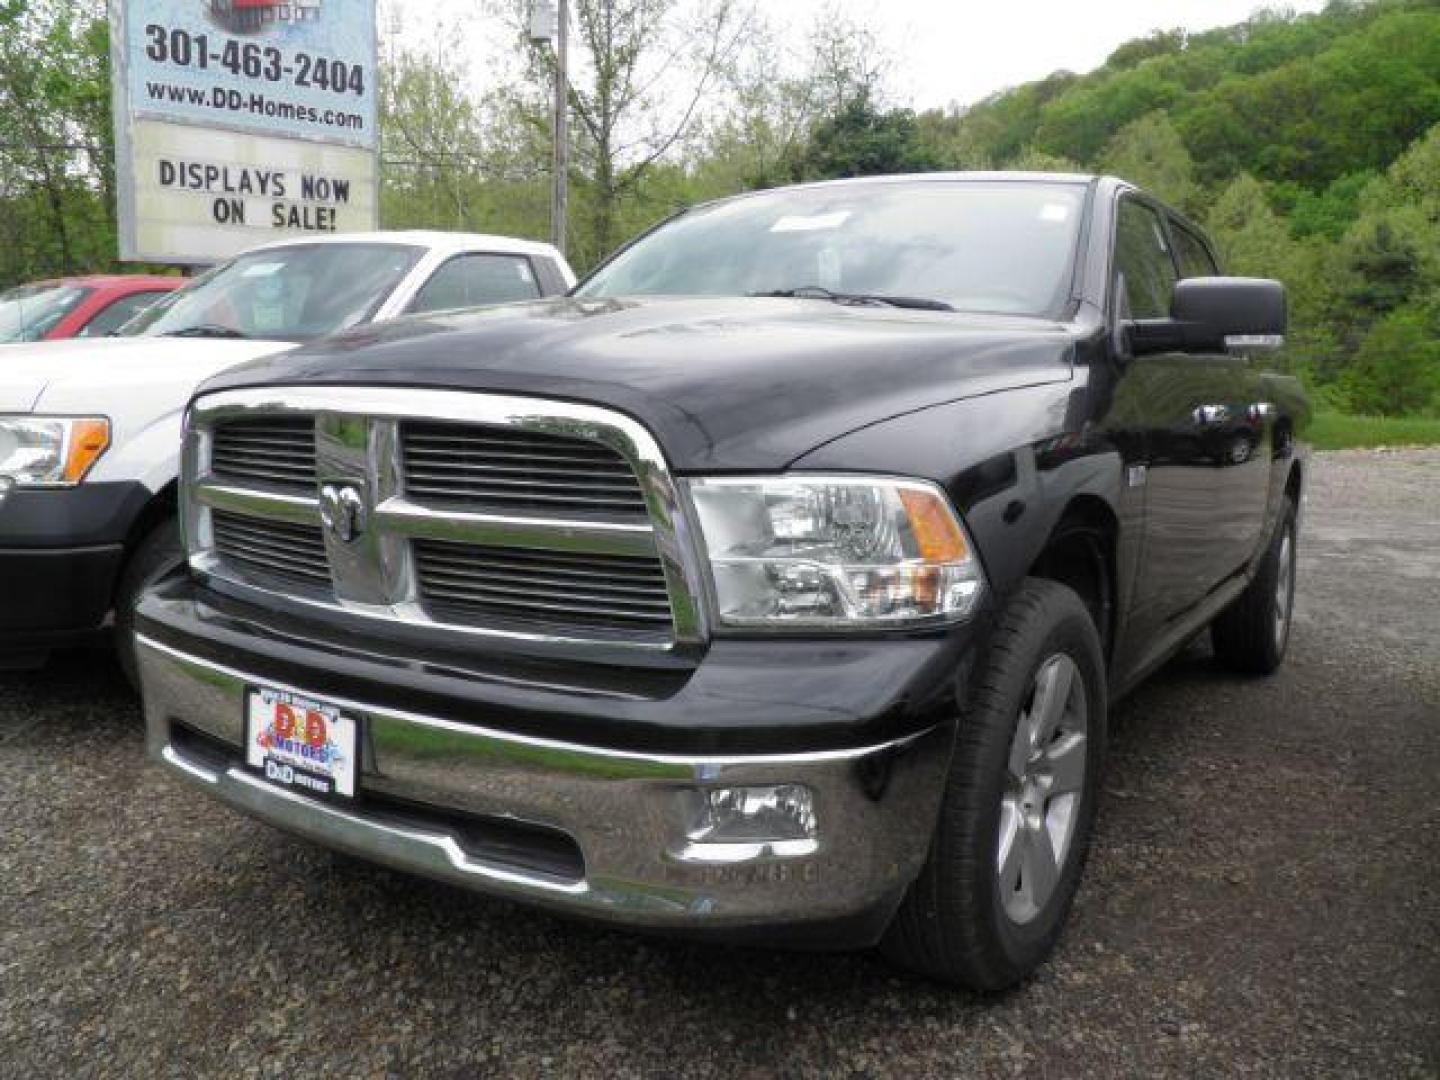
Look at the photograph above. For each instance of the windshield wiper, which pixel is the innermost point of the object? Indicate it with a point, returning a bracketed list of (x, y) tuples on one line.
[(209, 330), (819, 292)]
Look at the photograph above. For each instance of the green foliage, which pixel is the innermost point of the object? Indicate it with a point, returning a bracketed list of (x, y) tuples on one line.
[(1251, 238), (56, 174), (1133, 53), (1033, 160), (1396, 371), (1149, 152), (1340, 431), (1310, 146), (1079, 123), (1329, 213), (1306, 99), (863, 141)]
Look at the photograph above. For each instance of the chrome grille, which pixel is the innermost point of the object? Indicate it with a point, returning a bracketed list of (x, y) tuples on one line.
[(266, 549), (470, 582), (517, 469), (278, 451), (540, 521)]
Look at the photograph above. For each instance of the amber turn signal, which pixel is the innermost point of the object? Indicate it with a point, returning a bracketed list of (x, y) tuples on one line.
[(88, 440)]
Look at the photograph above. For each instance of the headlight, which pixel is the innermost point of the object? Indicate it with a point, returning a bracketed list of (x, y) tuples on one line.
[(835, 551), (40, 451)]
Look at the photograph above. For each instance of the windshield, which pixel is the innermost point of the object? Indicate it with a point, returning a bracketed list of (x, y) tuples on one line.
[(971, 245), (32, 311), (285, 294)]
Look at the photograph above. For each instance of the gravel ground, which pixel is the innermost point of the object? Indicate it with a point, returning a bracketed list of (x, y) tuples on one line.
[(1263, 897)]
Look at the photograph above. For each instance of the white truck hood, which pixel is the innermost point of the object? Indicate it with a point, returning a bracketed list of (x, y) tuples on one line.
[(57, 370), (141, 384)]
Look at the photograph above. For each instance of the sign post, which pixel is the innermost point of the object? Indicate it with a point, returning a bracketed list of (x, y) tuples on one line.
[(550, 23), (238, 122)]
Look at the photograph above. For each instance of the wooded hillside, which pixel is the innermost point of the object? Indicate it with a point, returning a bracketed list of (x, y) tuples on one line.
[(1309, 145)]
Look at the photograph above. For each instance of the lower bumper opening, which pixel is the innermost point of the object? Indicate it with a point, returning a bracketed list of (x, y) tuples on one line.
[(517, 845)]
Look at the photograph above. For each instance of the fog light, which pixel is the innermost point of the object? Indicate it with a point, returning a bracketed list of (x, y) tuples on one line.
[(783, 813)]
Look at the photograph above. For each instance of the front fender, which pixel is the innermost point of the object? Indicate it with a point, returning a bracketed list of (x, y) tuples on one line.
[(1012, 463), (148, 454)]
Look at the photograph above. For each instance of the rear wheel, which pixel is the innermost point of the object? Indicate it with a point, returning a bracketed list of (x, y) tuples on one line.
[(1010, 843), (155, 556), (1252, 634)]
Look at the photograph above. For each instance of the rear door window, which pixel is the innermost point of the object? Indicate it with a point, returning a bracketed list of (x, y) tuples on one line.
[(474, 280), (1194, 258)]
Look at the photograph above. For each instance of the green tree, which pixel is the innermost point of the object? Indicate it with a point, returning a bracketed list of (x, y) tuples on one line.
[(1250, 235), (1396, 371), (1149, 152), (56, 172), (1032, 160), (864, 141), (1328, 213)]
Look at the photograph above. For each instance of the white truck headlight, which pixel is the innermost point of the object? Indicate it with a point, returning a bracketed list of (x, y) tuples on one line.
[(835, 551), (39, 451)]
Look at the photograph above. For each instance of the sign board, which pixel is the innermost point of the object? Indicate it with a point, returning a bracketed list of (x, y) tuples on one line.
[(239, 122)]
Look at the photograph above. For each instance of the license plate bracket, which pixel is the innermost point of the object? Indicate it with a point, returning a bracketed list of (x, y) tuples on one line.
[(301, 743)]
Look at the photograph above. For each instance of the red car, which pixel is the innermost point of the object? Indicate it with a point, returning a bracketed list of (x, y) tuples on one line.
[(91, 306)]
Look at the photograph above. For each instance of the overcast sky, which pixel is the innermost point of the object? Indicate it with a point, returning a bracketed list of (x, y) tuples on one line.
[(946, 51)]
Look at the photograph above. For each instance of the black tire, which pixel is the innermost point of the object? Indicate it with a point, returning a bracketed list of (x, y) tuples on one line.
[(955, 924), (157, 553), (1252, 634)]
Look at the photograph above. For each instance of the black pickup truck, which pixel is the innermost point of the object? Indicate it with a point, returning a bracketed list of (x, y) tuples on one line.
[(774, 585)]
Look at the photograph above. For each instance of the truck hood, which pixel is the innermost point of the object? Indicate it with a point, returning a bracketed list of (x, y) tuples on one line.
[(724, 383), (79, 373)]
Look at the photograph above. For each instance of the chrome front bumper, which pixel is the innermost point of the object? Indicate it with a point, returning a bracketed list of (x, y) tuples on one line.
[(624, 812)]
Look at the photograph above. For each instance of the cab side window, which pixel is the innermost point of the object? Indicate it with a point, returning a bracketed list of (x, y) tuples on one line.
[(473, 280), (1144, 268), (1195, 259)]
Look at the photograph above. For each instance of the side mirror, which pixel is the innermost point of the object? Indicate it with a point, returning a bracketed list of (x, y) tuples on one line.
[(1215, 314)]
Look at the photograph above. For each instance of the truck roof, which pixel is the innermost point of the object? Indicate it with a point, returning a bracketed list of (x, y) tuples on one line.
[(426, 238)]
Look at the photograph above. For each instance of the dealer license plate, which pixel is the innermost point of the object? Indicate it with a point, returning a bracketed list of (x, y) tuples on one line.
[(301, 743)]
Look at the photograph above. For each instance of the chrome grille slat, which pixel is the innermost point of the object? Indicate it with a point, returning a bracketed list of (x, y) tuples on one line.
[(269, 548), (516, 479), (464, 577), (439, 457), (500, 439), (549, 599), (639, 578), (272, 477), (597, 617), (557, 589), (270, 451), (488, 465), (275, 451), (453, 462), (522, 500)]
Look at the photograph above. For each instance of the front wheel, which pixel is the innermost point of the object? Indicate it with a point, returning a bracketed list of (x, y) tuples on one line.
[(1010, 843), (157, 553)]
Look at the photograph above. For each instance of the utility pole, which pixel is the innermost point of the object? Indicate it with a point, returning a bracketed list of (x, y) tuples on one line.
[(560, 189)]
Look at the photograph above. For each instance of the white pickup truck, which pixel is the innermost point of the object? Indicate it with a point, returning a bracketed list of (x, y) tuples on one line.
[(90, 429)]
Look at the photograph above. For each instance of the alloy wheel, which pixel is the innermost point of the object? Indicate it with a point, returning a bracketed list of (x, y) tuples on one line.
[(1284, 587), (1044, 784)]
